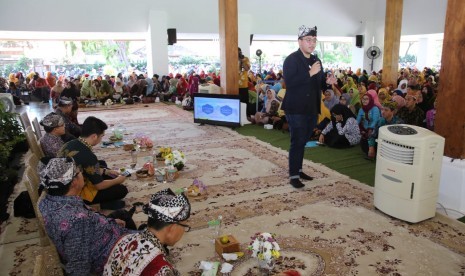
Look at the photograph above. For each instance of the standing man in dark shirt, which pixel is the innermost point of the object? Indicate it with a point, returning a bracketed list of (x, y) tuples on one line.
[(305, 82)]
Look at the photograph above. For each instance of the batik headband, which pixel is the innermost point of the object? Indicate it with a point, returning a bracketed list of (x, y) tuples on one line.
[(305, 31), (168, 207), (56, 173), (52, 120)]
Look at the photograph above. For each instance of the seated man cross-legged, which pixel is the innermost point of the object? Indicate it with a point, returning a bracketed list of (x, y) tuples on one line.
[(102, 185)]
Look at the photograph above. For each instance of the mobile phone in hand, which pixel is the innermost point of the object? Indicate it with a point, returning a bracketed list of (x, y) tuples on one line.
[(126, 173)]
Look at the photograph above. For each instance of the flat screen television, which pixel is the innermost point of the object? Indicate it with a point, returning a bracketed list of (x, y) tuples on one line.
[(217, 109)]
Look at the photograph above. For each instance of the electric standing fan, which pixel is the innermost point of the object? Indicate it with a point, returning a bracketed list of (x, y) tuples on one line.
[(372, 53)]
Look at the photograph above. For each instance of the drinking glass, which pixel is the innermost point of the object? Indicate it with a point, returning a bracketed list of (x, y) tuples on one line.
[(133, 159)]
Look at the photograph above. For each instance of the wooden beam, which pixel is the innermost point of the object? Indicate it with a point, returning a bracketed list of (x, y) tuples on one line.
[(392, 28), (228, 46), (450, 115)]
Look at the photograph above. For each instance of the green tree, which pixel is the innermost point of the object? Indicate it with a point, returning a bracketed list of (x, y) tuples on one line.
[(114, 52), (23, 64)]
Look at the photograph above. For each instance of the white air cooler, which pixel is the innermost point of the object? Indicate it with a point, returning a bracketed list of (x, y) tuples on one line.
[(408, 170)]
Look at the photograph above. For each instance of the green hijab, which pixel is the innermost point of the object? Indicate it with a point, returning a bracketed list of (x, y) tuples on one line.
[(355, 97)]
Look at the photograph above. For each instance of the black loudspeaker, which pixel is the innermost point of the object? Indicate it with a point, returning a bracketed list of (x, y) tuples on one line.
[(171, 36), (251, 39), (359, 41)]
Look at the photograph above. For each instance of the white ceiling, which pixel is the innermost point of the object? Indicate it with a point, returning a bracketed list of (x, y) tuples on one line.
[(120, 19)]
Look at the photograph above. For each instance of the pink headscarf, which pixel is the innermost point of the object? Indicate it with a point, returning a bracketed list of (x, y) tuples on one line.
[(374, 95)]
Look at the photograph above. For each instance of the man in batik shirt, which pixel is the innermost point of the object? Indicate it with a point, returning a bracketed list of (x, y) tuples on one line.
[(54, 127), (82, 237), (146, 253)]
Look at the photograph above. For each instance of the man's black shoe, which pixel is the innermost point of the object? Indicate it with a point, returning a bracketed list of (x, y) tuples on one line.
[(296, 183), (305, 176)]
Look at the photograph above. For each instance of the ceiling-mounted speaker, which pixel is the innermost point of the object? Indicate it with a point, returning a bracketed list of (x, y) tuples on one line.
[(359, 41), (251, 39), (171, 36)]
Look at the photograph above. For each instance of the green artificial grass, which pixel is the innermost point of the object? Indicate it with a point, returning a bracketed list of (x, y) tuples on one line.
[(346, 161)]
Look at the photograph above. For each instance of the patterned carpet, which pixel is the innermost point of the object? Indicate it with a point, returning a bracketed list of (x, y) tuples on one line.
[(328, 228)]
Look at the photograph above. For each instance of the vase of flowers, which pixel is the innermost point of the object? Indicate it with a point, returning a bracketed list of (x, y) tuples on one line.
[(265, 248), (175, 159)]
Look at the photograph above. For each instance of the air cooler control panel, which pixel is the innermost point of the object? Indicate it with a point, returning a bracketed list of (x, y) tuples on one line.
[(402, 130)]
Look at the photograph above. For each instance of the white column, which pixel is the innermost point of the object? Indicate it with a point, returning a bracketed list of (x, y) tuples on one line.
[(244, 31), (425, 52), (358, 57), (157, 41)]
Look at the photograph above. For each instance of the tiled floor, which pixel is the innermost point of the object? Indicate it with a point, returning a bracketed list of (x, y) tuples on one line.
[(35, 109)]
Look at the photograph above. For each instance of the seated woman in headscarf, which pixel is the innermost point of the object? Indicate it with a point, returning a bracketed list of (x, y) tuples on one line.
[(367, 118), (15, 92), (270, 109), (362, 89), (403, 86), (150, 85), (354, 103), (343, 131), (56, 91), (119, 91), (383, 96), (88, 90), (375, 98), (330, 99), (105, 91), (349, 84), (146, 252)]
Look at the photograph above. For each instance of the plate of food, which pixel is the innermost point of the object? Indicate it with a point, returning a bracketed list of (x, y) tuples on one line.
[(114, 138), (142, 173)]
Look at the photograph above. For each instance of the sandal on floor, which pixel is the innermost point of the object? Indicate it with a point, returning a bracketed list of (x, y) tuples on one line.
[(370, 158)]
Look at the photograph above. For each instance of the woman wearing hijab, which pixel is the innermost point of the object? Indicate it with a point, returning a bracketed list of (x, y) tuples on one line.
[(271, 109), (403, 86), (330, 99), (182, 87), (367, 118), (194, 87), (374, 95), (343, 131), (56, 91), (88, 90), (150, 85), (349, 84), (354, 103), (383, 96)]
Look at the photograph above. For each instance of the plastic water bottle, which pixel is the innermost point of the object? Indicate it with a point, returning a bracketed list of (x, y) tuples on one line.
[(219, 226), (215, 227)]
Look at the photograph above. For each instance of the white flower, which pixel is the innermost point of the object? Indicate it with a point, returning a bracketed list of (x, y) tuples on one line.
[(264, 247)]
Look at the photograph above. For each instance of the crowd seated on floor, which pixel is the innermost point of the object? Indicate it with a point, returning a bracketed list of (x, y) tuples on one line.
[(414, 95)]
